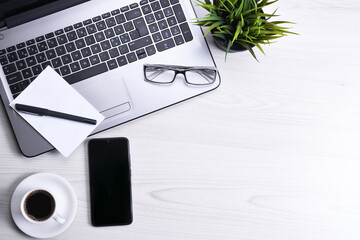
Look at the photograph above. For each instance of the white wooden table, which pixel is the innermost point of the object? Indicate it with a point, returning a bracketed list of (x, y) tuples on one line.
[(272, 154)]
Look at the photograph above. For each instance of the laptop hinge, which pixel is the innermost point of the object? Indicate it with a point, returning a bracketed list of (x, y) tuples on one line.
[(39, 12)]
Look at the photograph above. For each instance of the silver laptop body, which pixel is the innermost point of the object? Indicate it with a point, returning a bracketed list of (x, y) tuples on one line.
[(121, 94)]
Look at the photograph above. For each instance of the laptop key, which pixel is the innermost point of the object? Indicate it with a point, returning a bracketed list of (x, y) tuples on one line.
[(71, 35), (60, 50), (168, 12), (9, 68), (179, 13), (146, 9), (96, 19), (119, 29), (104, 56), (44, 65), (81, 32), (159, 15), (65, 70), (131, 57), (124, 49), (142, 2), (20, 64), (115, 41), (70, 47), (75, 67), (164, 3), (94, 59), (91, 29), (42, 46), (109, 33), (12, 57), (66, 59), (150, 50), (31, 61), (112, 64), (15, 77), (106, 15), (84, 63), (41, 57), (133, 14), (20, 45), (69, 28), (80, 43), (36, 69), (49, 35), (164, 45), (39, 39), (134, 34), (86, 52), (100, 36), (52, 43), (2, 51), (115, 12), (186, 32), (128, 26), (59, 32), (155, 6), (150, 18), (11, 49), (30, 42), (140, 25), (3, 60), (15, 88), (87, 22), (100, 25), (175, 30), (153, 27), (78, 25), (121, 61), (56, 62), (110, 22), (32, 50), (50, 54), (114, 53), (22, 53), (86, 73), (24, 84), (95, 48), (27, 73), (134, 5), (179, 40), (124, 9), (140, 43), (171, 21), (76, 55), (125, 38), (120, 18), (105, 45)]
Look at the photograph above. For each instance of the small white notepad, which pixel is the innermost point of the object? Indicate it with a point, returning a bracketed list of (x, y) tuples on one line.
[(49, 90)]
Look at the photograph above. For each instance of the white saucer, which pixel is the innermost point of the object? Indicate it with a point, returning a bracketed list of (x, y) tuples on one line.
[(65, 199)]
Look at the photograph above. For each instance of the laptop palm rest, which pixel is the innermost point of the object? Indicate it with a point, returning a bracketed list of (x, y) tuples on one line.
[(108, 95)]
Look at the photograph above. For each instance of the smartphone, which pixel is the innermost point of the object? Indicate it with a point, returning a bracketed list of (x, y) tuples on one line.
[(110, 182)]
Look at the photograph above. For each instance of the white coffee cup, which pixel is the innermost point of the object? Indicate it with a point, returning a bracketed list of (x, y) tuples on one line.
[(39, 206)]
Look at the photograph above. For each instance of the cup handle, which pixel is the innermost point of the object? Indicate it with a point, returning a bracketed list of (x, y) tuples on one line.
[(58, 218)]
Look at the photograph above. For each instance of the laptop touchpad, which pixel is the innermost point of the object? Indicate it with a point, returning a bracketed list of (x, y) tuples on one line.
[(109, 96)]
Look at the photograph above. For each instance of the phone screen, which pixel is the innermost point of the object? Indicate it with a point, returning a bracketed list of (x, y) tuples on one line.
[(110, 182)]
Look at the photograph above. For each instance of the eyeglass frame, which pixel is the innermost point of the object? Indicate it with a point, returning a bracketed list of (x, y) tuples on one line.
[(180, 70)]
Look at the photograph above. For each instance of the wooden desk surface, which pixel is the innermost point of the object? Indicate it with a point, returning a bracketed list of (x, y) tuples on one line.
[(272, 154)]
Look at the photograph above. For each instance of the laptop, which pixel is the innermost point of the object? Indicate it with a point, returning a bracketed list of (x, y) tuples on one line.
[(100, 48)]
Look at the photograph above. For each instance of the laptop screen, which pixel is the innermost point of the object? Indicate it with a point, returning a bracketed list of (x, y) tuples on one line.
[(10, 8)]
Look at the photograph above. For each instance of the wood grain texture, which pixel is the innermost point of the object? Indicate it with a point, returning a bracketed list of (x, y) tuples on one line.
[(272, 154)]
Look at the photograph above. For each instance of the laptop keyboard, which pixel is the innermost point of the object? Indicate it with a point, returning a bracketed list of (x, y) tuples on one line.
[(98, 45)]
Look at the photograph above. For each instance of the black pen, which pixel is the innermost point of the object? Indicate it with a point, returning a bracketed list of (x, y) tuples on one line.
[(47, 112)]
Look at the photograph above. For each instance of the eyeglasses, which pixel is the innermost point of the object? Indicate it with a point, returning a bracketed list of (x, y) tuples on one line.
[(166, 74)]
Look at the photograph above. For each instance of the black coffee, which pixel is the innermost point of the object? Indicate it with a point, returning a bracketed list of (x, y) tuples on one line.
[(39, 205)]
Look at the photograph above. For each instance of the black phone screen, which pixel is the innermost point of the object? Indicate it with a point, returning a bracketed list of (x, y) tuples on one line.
[(110, 182)]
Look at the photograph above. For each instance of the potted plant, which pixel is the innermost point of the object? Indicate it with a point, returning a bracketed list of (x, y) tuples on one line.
[(239, 25)]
